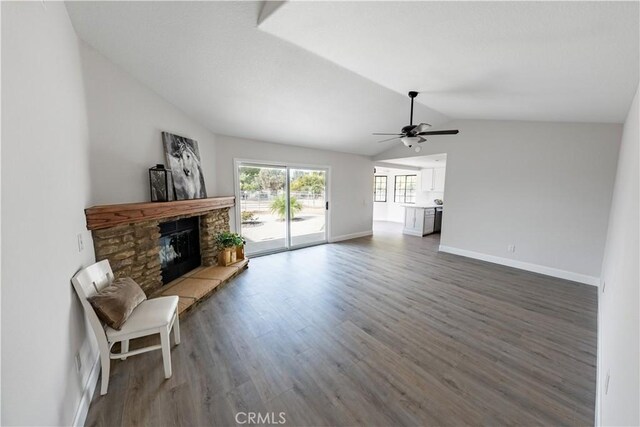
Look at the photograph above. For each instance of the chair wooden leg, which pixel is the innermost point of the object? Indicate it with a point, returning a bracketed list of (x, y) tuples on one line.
[(176, 329), (124, 348), (166, 351), (106, 366)]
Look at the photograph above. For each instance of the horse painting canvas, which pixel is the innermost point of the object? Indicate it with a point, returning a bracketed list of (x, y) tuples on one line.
[(183, 158)]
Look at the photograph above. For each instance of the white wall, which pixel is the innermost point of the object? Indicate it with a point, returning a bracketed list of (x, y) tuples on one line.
[(544, 187), (350, 186), (44, 158), (126, 119), (619, 321)]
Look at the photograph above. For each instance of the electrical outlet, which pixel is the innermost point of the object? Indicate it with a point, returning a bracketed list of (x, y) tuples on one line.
[(78, 362), (511, 248), (80, 243), (606, 382)]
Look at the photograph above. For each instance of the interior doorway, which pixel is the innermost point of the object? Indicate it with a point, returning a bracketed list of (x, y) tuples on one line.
[(282, 206), (403, 185)]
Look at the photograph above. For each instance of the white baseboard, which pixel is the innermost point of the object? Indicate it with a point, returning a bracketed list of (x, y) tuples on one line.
[(536, 268), (350, 236), (87, 393)]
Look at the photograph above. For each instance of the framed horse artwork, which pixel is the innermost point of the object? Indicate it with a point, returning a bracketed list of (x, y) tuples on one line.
[(183, 158)]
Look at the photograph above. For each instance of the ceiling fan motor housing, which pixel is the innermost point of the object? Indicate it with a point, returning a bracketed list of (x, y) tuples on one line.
[(408, 128)]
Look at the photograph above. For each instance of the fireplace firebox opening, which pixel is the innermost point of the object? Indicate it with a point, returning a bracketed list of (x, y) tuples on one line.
[(179, 247)]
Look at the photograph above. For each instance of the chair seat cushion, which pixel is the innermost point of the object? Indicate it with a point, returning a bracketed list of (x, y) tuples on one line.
[(115, 303), (150, 314)]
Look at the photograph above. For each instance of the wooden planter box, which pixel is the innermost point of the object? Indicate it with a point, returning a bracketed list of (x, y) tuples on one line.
[(229, 256)]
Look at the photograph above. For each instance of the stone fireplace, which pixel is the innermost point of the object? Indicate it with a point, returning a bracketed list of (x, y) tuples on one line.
[(154, 243)]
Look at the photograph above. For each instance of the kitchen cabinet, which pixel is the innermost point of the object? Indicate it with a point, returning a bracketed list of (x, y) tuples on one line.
[(438, 179), (418, 221), (433, 179), (427, 179)]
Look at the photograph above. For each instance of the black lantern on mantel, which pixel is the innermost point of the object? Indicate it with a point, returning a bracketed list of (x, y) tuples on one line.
[(160, 184)]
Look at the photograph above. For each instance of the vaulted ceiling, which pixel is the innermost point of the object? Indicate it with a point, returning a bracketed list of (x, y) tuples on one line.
[(327, 74), (544, 61)]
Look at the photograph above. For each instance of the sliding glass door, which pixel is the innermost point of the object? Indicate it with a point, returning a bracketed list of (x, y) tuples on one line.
[(262, 207), (281, 207), (308, 206)]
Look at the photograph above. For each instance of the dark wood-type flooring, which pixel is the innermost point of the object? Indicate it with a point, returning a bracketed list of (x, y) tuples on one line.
[(374, 331)]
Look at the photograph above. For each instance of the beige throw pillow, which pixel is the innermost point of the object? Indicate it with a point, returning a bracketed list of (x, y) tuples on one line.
[(115, 303)]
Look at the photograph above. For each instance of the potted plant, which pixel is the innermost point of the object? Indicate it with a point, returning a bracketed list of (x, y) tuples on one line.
[(239, 242), (225, 242), (231, 247)]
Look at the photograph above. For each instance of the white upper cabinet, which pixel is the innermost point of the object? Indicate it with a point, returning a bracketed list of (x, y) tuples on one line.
[(433, 179), (427, 180), (438, 179)]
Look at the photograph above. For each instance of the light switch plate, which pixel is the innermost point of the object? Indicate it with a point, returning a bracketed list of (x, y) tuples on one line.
[(80, 243), (78, 360)]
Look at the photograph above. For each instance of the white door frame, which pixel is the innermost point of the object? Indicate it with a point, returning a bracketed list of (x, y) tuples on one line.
[(288, 166)]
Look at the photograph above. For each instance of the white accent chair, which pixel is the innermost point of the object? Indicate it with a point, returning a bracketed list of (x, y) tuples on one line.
[(152, 316)]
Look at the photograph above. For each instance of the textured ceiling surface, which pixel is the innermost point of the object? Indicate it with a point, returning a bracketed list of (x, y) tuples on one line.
[(328, 74), (210, 60), (546, 61)]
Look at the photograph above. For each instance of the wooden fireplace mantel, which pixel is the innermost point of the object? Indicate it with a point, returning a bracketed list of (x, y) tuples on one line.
[(107, 216)]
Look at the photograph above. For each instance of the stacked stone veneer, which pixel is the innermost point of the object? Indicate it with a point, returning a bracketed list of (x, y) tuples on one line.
[(133, 249), (211, 224)]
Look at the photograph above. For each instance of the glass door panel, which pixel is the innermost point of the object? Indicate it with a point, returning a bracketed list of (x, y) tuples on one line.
[(263, 213), (307, 206)]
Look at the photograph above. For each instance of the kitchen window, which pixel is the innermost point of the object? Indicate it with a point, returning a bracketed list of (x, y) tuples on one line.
[(404, 190), (380, 189)]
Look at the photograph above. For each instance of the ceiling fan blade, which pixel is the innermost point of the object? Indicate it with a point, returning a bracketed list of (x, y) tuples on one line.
[(390, 139), (396, 134), (438, 132), (422, 127)]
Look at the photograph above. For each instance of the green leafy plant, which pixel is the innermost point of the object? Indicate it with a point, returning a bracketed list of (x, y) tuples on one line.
[(237, 239), (226, 240), (278, 206)]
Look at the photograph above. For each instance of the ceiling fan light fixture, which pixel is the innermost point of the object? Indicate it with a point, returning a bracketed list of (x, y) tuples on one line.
[(408, 141)]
